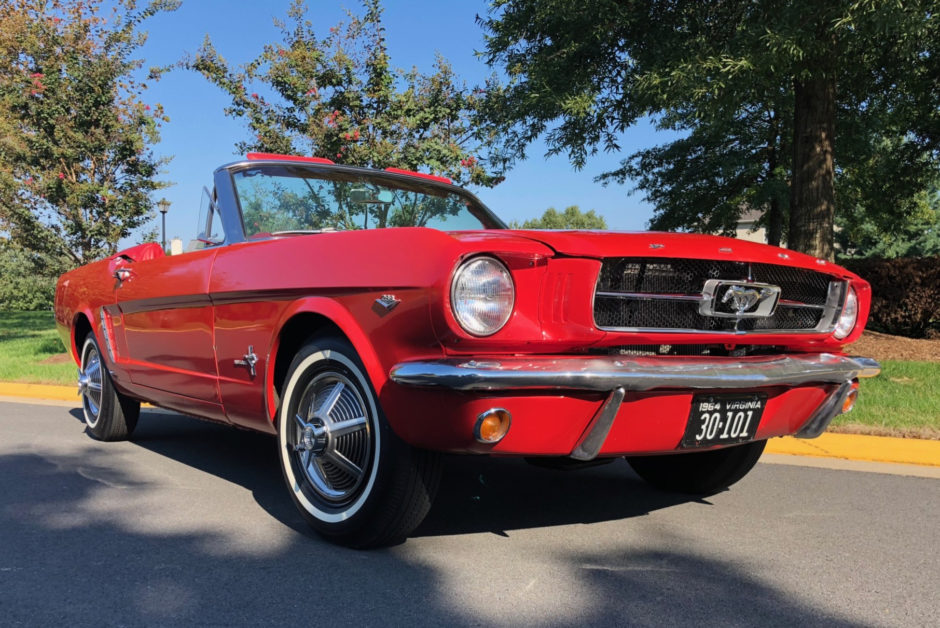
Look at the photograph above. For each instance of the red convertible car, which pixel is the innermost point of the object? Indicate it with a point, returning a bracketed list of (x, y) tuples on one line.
[(373, 319)]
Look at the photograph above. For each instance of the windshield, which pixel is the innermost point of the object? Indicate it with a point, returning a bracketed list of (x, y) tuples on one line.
[(278, 199)]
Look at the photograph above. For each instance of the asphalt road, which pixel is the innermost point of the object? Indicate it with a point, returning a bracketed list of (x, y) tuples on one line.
[(190, 525)]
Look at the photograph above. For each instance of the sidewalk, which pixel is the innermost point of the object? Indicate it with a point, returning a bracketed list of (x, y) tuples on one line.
[(829, 445)]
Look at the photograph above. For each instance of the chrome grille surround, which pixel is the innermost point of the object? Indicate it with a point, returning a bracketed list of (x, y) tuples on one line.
[(666, 295)]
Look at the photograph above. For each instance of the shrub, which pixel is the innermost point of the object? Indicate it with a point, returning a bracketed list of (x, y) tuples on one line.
[(905, 294), (25, 284)]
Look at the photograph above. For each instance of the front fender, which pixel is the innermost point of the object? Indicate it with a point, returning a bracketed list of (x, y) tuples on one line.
[(339, 316)]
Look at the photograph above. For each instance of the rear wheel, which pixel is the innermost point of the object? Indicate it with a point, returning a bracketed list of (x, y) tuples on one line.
[(701, 472), (109, 415), (351, 477)]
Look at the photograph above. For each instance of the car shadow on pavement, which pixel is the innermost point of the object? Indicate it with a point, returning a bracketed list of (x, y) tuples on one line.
[(99, 534), (476, 494), (484, 494), (248, 459)]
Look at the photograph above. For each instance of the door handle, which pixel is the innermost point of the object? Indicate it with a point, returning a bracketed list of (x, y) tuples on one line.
[(122, 274)]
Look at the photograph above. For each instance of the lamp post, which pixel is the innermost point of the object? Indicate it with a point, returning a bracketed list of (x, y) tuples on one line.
[(164, 206)]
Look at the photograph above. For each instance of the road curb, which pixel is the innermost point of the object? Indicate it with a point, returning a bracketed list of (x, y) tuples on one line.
[(861, 447), (39, 391), (844, 446)]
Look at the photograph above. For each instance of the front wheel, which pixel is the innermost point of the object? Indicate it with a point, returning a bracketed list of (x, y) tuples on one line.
[(109, 415), (351, 477), (700, 472)]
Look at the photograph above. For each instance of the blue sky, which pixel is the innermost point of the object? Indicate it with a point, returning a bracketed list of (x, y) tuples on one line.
[(200, 137)]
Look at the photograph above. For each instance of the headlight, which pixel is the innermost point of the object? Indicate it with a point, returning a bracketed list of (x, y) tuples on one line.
[(482, 296), (849, 316)]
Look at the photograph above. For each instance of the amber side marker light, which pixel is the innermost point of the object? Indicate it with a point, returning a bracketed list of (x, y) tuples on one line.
[(492, 426), (850, 398)]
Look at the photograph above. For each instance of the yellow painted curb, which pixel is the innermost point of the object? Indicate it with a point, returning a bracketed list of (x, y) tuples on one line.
[(40, 391), (859, 447), (845, 446)]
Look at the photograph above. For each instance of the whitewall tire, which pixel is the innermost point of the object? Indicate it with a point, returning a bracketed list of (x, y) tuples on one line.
[(108, 414), (351, 477)]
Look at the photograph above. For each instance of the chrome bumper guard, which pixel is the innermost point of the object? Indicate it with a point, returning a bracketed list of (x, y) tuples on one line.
[(615, 375)]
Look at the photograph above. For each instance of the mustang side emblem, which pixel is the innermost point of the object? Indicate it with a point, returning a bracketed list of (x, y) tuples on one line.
[(388, 301), (385, 304), (738, 299), (249, 361)]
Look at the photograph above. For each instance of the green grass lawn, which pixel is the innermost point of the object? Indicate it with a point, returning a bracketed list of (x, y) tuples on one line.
[(904, 399), (906, 396), (31, 350)]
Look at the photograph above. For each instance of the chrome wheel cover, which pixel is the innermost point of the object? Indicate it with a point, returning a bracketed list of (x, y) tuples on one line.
[(332, 437), (90, 384)]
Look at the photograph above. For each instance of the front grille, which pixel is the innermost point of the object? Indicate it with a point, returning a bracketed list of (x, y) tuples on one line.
[(667, 294)]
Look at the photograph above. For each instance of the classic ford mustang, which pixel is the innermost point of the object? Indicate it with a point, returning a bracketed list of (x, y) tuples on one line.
[(372, 319)]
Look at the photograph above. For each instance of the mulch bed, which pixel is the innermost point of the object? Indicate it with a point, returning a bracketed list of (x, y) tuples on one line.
[(886, 347)]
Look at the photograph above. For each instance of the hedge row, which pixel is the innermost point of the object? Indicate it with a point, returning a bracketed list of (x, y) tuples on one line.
[(905, 294)]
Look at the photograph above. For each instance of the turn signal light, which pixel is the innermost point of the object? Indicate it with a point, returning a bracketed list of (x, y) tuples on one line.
[(850, 398), (492, 426)]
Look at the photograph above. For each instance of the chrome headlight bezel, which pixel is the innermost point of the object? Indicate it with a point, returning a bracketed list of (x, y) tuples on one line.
[(476, 323), (848, 318)]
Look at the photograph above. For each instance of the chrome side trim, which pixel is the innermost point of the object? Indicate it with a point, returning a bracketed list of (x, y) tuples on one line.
[(106, 331), (825, 413), (590, 443), (606, 373)]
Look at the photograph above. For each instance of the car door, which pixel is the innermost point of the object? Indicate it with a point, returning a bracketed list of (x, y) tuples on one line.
[(167, 323)]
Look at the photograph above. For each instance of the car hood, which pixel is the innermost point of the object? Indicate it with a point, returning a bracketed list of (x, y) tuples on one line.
[(601, 244)]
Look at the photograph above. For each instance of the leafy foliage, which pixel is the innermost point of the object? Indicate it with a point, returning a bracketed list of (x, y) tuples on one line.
[(705, 181), (571, 218), (758, 89), (863, 232), (28, 280), (338, 97), (76, 167)]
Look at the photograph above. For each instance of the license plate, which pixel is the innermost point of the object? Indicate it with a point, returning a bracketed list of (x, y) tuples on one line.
[(723, 419)]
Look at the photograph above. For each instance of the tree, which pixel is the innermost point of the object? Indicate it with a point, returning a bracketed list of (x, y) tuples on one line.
[(76, 164), (338, 97), (28, 279), (705, 181), (582, 73), (861, 234), (571, 218)]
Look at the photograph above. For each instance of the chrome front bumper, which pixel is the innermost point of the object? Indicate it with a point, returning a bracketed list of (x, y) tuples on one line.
[(616, 375), (637, 374)]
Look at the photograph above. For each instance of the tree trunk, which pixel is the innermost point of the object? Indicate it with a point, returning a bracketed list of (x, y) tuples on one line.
[(775, 212), (774, 223), (812, 190)]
